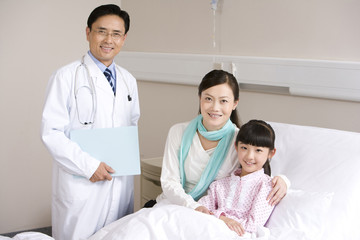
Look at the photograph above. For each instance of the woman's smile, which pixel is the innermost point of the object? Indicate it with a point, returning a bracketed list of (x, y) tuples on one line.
[(216, 106)]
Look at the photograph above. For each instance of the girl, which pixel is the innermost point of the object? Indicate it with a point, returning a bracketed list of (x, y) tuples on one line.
[(199, 152), (240, 200)]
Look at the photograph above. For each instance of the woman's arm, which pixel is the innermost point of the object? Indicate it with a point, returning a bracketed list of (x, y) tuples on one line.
[(172, 188), (280, 186)]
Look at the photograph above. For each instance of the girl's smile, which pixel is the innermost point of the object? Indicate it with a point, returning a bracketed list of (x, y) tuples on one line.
[(252, 158)]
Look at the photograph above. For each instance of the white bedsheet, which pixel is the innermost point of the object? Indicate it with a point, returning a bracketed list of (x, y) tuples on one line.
[(171, 222)]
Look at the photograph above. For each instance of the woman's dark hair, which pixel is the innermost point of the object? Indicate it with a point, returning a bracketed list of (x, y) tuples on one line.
[(217, 77), (109, 9), (258, 133)]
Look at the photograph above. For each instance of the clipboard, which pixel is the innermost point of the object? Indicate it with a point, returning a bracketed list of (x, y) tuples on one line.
[(117, 147)]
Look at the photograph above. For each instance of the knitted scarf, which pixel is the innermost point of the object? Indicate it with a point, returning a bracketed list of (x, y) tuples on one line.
[(225, 135)]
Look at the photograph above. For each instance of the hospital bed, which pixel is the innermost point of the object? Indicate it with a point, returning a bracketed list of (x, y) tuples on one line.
[(323, 201)]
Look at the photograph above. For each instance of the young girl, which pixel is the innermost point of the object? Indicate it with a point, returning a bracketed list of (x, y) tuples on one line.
[(240, 200)]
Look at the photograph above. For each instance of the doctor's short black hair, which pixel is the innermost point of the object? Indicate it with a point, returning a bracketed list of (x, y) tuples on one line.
[(109, 9)]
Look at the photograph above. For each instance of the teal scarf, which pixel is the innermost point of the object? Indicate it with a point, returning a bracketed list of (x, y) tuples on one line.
[(225, 135)]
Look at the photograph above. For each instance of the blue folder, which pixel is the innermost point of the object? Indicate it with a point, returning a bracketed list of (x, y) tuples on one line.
[(117, 147)]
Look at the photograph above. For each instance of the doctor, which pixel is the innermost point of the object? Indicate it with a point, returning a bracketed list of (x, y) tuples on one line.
[(85, 197)]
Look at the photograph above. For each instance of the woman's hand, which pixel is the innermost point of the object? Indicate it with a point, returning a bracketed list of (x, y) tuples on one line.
[(233, 225), (203, 210), (278, 192)]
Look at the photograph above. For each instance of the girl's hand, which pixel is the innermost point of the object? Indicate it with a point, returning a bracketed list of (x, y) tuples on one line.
[(233, 225), (203, 210), (278, 192)]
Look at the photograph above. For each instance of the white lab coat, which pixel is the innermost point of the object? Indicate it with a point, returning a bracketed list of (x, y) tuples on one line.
[(80, 207)]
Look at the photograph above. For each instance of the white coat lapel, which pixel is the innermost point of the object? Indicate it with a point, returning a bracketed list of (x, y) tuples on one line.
[(99, 78)]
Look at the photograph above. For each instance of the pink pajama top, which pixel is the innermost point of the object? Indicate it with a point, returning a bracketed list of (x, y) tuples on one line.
[(241, 198)]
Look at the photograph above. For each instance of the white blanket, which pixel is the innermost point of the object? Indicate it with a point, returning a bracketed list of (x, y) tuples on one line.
[(170, 222), (28, 236)]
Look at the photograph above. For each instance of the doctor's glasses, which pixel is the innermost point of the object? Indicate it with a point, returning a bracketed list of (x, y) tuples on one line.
[(114, 35)]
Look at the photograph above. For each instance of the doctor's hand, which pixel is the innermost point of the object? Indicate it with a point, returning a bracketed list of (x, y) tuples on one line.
[(278, 192), (102, 173)]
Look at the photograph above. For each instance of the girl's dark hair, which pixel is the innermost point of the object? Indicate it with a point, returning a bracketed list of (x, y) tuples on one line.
[(109, 9), (217, 77), (258, 133)]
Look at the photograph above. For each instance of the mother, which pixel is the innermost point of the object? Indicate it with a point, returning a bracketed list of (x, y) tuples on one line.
[(201, 151)]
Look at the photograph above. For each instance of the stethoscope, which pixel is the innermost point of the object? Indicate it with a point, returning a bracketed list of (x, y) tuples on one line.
[(92, 90)]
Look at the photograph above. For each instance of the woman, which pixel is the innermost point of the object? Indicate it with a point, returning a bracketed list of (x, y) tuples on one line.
[(202, 151)]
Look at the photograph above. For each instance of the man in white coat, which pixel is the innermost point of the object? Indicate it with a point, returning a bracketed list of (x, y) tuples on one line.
[(85, 197)]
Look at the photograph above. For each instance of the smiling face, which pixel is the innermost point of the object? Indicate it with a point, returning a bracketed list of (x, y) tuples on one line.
[(252, 158), (105, 48), (216, 106)]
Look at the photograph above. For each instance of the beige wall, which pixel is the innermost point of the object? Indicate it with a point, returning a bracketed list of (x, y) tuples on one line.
[(319, 29), (45, 35), (310, 29), (37, 38)]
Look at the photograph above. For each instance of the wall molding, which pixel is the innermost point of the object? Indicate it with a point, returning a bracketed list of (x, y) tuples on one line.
[(338, 80)]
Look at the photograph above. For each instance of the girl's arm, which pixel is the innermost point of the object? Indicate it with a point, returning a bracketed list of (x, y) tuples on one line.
[(233, 225), (260, 209), (209, 203), (215, 194)]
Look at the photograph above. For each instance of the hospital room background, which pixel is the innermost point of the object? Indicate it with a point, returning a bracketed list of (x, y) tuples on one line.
[(314, 44)]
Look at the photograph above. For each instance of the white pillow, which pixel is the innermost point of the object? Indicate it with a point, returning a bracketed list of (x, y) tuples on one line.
[(300, 214), (323, 160)]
